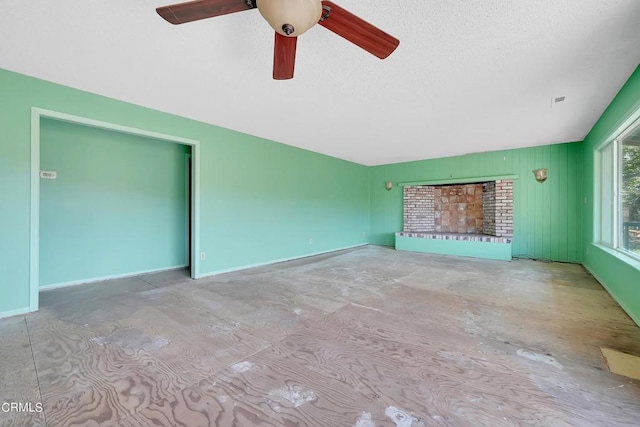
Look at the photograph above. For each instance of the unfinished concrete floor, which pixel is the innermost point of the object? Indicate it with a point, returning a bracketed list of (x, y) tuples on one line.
[(366, 337)]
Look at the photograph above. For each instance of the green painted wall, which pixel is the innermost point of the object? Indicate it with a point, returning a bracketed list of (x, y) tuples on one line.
[(547, 216), (619, 276), (260, 201), (118, 205)]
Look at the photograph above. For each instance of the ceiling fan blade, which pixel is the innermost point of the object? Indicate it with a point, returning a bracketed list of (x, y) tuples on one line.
[(200, 9), (358, 31), (284, 57)]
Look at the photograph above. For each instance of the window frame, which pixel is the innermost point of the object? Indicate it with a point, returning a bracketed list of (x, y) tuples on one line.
[(610, 176)]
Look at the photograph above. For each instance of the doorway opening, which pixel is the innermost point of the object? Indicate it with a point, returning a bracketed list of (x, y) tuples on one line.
[(190, 173)]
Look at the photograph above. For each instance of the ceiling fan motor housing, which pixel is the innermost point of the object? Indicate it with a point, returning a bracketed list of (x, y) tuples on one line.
[(291, 17)]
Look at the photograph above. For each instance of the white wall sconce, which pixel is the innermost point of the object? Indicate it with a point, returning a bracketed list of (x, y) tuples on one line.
[(540, 174), (388, 185)]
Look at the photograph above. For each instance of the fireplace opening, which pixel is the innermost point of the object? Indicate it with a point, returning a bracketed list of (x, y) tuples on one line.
[(459, 211)]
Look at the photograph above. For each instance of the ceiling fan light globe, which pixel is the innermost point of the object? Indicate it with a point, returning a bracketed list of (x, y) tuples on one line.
[(299, 14)]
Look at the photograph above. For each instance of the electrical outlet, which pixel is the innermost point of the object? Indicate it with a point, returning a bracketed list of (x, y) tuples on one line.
[(203, 256), (364, 234), (311, 241)]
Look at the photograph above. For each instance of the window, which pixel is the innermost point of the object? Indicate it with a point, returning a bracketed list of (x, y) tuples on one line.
[(620, 192)]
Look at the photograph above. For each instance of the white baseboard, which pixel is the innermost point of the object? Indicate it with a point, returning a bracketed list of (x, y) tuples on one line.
[(260, 264), (110, 277), (16, 312)]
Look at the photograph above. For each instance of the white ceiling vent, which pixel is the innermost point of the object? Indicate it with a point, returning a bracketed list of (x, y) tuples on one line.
[(557, 100)]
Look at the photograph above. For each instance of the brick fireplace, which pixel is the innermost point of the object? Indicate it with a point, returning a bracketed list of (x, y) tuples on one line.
[(475, 211)]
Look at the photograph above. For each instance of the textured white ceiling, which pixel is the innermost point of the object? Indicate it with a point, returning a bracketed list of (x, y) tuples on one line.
[(468, 76)]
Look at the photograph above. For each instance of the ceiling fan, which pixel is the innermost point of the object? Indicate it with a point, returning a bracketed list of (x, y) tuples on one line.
[(289, 19)]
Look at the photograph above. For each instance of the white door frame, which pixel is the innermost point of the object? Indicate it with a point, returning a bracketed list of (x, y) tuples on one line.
[(34, 243)]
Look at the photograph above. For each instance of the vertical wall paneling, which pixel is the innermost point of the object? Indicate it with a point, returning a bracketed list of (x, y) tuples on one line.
[(544, 227)]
